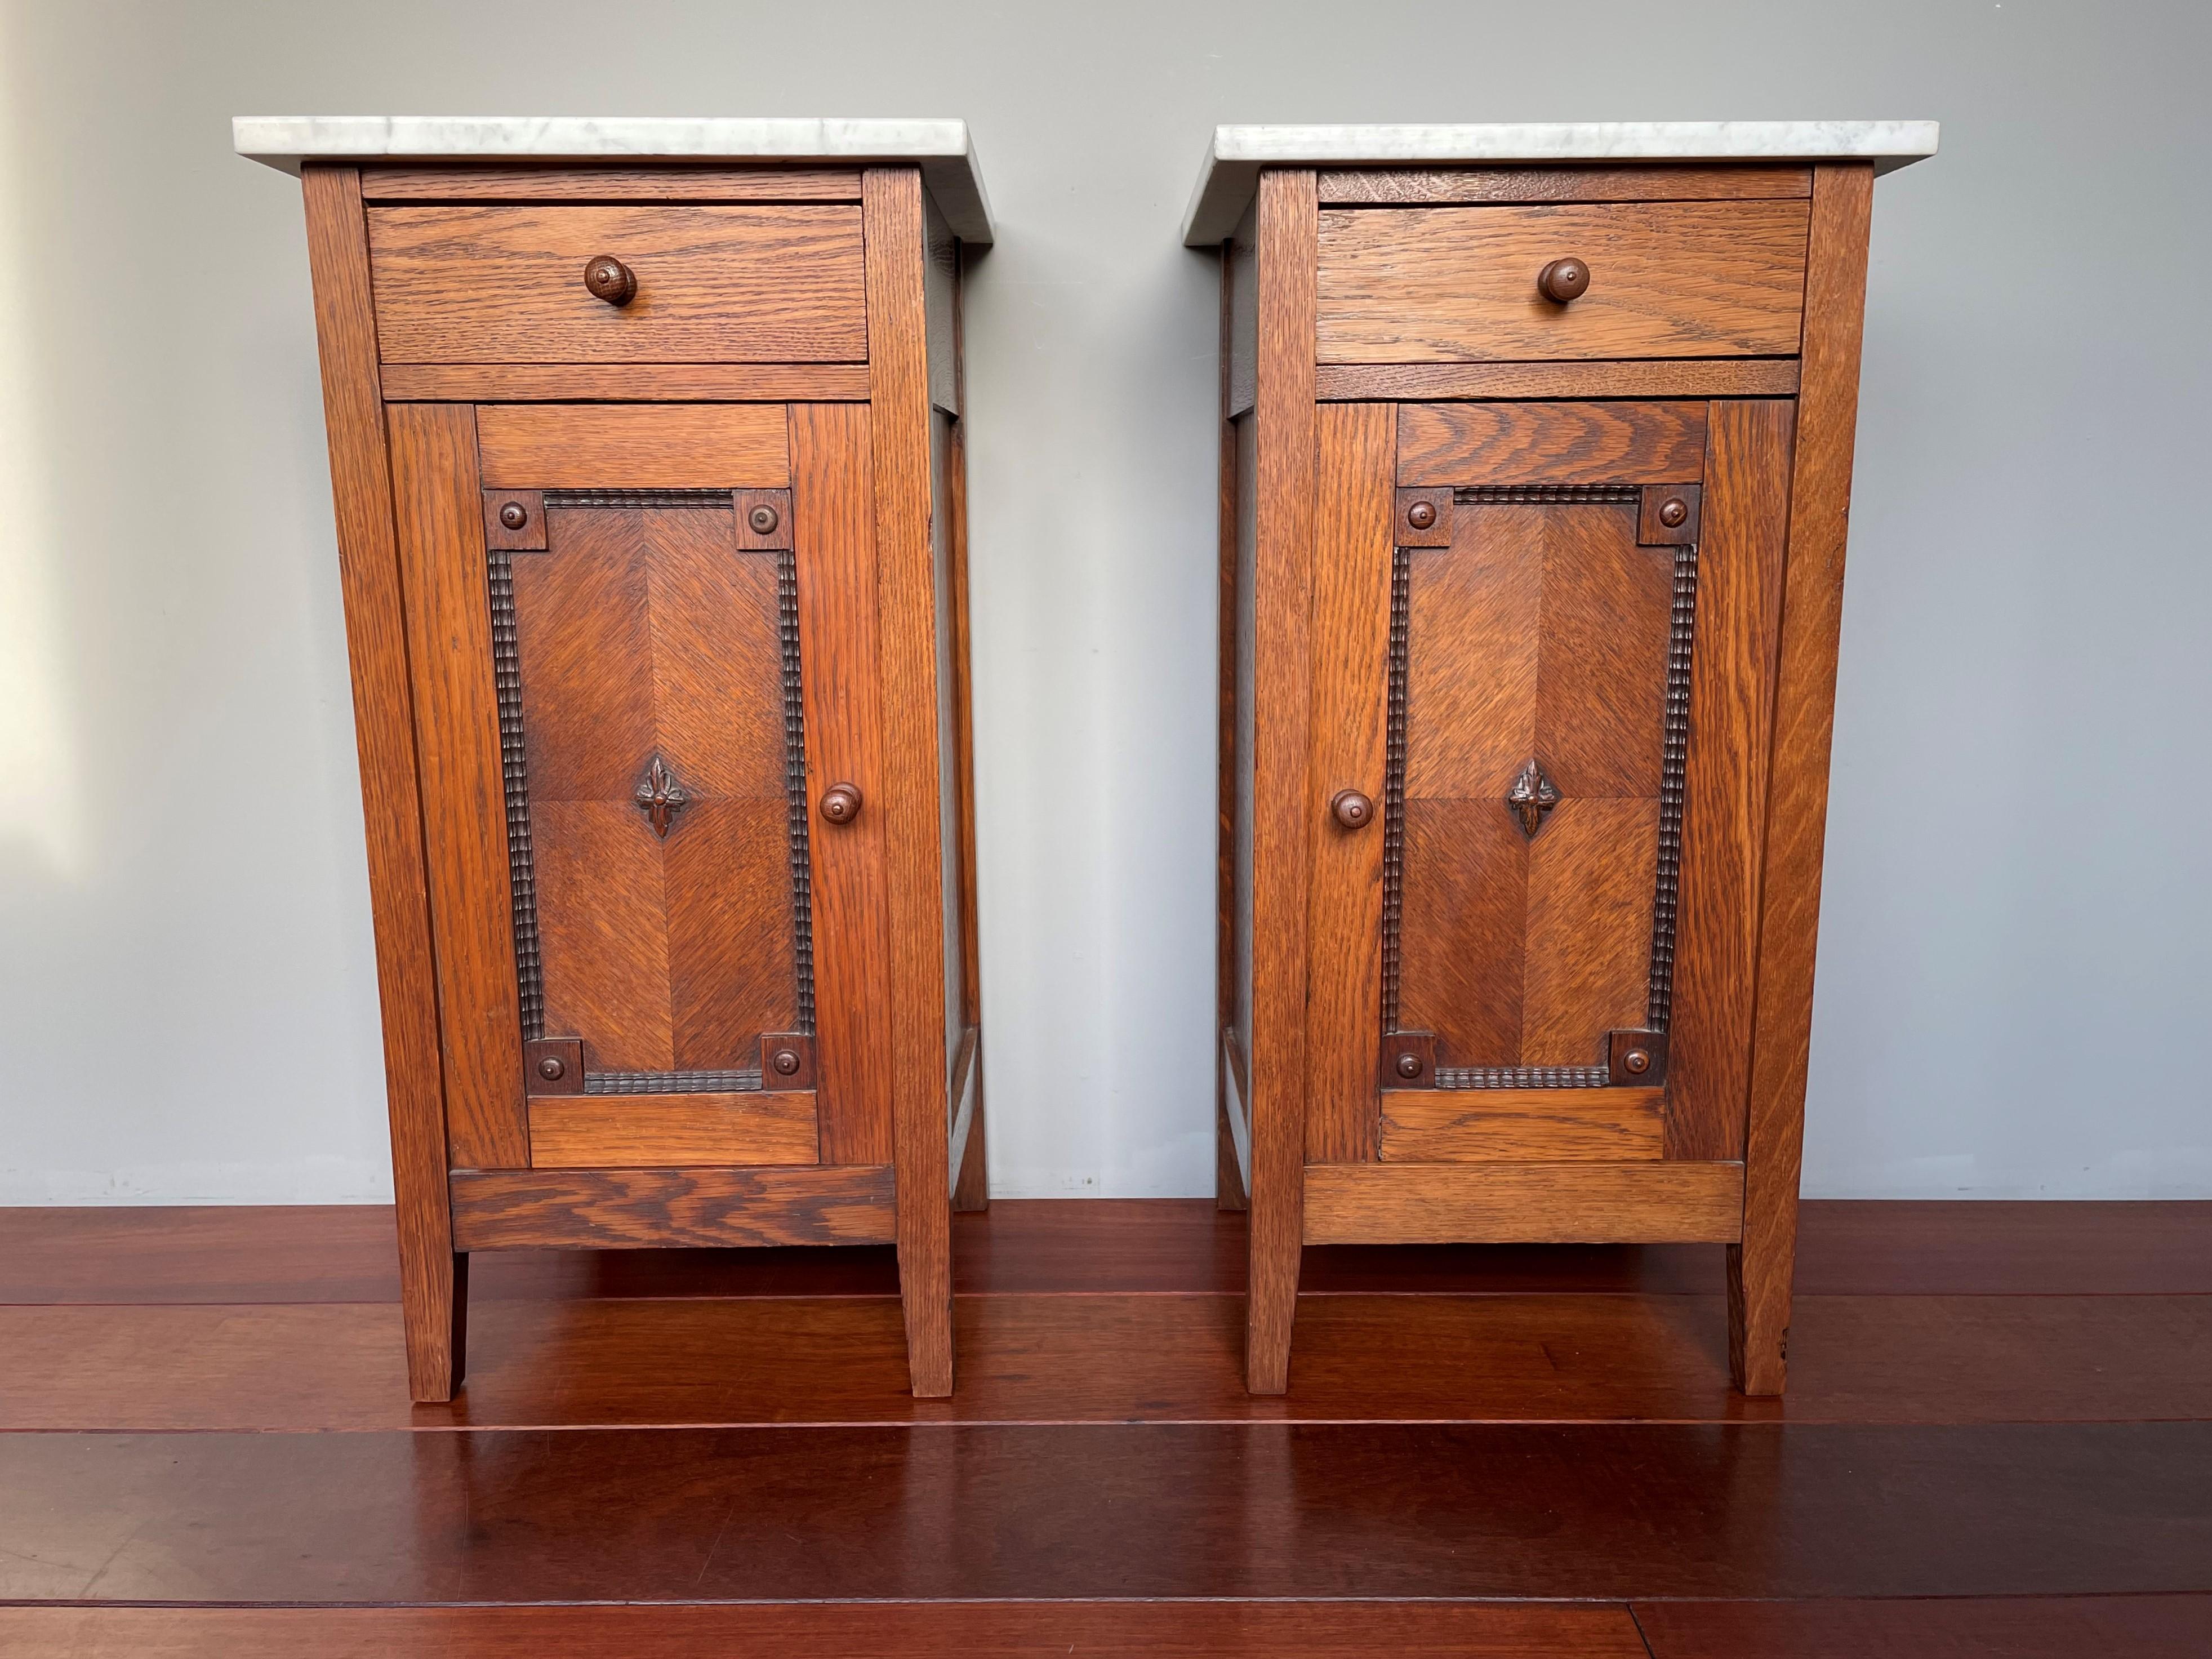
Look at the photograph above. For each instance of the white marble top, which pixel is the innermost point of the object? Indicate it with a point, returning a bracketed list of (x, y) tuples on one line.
[(943, 149), (1230, 175)]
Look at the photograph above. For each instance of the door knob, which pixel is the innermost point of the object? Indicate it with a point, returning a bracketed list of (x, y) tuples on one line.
[(840, 803), (611, 280), (1352, 809), (1564, 280)]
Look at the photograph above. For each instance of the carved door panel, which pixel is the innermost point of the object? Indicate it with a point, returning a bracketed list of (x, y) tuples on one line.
[(1573, 675), (624, 863)]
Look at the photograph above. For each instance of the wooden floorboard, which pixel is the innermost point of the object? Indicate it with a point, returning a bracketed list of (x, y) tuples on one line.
[(1605, 1512), (1997, 1440), (2027, 1627), (690, 1362), (947, 1630), (344, 1253)]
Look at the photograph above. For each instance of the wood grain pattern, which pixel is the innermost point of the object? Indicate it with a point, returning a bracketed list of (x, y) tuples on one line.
[(2083, 1250), (915, 877), (834, 541), (1591, 872), (645, 633), (1383, 186), (1652, 1201), (1746, 515), (830, 1629), (593, 1131), (1533, 1125), (1436, 1509), (608, 1340), (1284, 815), (439, 512), (1350, 669), (640, 383), (1541, 633), (391, 811), (1551, 443), (1716, 377), (478, 284), (643, 447), (625, 1209), (1674, 279), (1797, 792), (602, 184)]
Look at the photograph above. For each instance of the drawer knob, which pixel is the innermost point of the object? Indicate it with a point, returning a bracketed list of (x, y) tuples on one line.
[(1352, 809), (840, 803), (611, 280), (1563, 280)]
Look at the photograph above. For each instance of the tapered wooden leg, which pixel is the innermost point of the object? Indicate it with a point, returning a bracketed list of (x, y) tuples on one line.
[(971, 1189), (1228, 1179), (925, 1297), (1278, 1212), (434, 1307), (1759, 1317)]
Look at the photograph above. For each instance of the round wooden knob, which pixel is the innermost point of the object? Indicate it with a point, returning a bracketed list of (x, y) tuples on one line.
[(1673, 512), (611, 280), (1563, 280), (785, 1060), (514, 515), (1352, 809), (1409, 1066), (840, 803), (551, 1069), (1637, 1061), (764, 520), (1421, 515)]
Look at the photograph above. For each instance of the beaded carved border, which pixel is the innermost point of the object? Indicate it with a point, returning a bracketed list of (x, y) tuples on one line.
[(507, 673), (1675, 750), (521, 863)]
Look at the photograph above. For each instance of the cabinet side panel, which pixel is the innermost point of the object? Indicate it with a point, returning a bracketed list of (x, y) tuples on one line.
[(1244, 740), (833, 539), (1229, 984), (899, 399), (440, 516), (392, 810), (950, 781), (1797, 800), (1281, 818), (971, 1176), (1351, 655), (1746, 517)]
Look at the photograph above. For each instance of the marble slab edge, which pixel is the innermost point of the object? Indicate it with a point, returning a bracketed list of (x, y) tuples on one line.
[(942, 149), (1231, 172)]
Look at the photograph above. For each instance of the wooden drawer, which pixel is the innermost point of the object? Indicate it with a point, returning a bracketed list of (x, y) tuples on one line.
[(463, 284), (1667, 279)]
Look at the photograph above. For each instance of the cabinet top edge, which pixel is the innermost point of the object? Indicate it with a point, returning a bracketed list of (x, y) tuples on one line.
[(943, 149), (1230, 175)]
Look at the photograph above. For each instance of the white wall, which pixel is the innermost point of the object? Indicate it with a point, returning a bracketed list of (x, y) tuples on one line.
[(2014, 991)]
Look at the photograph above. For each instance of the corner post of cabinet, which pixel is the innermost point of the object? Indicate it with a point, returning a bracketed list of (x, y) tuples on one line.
[(1761, 1265), (1288, 230), (433, 1276), (899, 396)]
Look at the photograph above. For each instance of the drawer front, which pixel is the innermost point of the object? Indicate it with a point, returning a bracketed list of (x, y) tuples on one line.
[(713, 284), (1666, 279)]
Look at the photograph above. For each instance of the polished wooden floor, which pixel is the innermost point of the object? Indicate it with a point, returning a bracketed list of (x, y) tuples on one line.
[(1998, 1441)]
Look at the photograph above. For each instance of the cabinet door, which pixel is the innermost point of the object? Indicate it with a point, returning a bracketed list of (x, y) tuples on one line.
[(1543, 641), (624, 799)]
